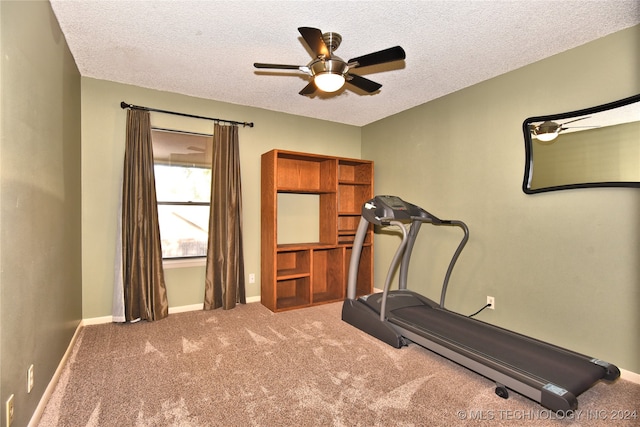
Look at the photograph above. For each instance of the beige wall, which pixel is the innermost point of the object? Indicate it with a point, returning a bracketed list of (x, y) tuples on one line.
[(40, 302), (103, 132), (562, 266)]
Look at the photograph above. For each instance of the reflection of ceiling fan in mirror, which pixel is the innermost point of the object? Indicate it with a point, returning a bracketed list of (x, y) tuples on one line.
[(329, 72), (547, 131), (181, 148)]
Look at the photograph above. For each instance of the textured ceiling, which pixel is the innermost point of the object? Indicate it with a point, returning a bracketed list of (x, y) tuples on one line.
[(207, 48)]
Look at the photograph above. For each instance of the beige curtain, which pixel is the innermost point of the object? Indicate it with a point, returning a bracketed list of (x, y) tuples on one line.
[(224, 282), (145, 294)]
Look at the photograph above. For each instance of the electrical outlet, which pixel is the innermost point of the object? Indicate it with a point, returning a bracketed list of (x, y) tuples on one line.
[(9, 411), (252, 278), (492, 301), (30, 379)]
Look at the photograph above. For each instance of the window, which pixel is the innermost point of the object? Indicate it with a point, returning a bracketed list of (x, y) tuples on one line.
[(182, 167)]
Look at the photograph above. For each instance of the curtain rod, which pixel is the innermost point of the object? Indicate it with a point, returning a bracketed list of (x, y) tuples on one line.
[(186, 132), (124, 105)]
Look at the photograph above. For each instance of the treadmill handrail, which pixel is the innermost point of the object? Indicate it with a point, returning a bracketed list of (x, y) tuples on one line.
[(406, 247), (413, 233), (452, 263), (396, 258), (354, 262)]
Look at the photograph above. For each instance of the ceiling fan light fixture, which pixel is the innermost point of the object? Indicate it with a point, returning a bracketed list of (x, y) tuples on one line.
[(547, 137), (329, 82), (329, 74), (546, 132)]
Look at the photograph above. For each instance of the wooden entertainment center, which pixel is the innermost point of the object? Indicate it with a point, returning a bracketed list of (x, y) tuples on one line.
[(295, 275)]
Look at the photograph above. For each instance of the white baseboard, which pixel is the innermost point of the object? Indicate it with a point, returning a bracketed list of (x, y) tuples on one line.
[(48, 392), (185, 308), (96, 320), (630, 376), (172, 310)]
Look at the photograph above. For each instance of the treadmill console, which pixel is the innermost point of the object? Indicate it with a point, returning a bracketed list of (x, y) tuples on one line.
[(382, 209)]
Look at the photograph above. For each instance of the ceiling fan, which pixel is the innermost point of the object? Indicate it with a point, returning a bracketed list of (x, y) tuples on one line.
[(547, 131), (329, 72)]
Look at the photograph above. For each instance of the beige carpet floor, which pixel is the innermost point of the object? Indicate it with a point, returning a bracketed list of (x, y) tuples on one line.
[(251, 367)]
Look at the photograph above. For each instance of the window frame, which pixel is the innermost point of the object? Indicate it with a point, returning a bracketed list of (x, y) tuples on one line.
[(190, 260)]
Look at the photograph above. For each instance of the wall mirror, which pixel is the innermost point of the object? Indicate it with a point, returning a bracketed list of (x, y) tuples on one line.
[(593, 147)]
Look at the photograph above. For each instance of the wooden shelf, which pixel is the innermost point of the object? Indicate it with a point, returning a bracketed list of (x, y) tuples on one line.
[(347, 232), (302, 246), (343, 182), (304, 190), (291, 274), (296, 275)]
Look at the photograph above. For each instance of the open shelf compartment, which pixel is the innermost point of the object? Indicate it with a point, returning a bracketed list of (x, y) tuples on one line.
[(351, 197), (296, 172), (293, 263), (293, 293), (328, 275), (354, 172)]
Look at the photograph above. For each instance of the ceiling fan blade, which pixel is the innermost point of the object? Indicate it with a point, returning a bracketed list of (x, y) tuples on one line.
[(313, 37), (392, 54), (571, 121), (578, 127), (277, 66), (308, 89), (362, 83)]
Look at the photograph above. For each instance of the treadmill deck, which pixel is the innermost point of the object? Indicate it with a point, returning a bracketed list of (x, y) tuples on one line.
[(550, 364)]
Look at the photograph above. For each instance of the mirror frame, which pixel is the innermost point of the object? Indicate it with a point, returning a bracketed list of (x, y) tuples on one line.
[(528, 142)]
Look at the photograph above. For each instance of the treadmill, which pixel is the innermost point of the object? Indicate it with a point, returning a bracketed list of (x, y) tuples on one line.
[(548, 374)]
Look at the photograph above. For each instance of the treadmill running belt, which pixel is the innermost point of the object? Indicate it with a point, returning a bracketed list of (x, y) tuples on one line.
[(551, 364)]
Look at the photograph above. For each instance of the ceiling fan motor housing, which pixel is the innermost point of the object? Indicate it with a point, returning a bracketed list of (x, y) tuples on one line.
[(334, 65), (332, 40), (548, 127)]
